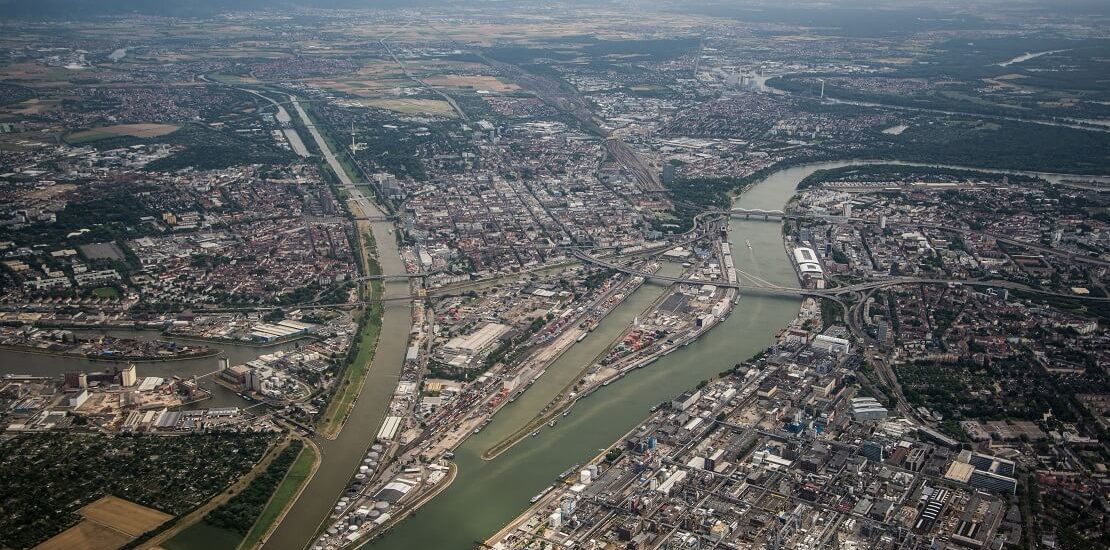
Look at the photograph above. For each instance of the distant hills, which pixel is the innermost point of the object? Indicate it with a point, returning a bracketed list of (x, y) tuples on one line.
[(863, 17), (85, 9)]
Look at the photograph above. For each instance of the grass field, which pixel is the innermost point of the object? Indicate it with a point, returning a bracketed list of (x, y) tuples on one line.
[(435, 107), (364, 87), (283, 496), (105, 292), (235, 79), (133, 130), (204, 536), (108, 524)]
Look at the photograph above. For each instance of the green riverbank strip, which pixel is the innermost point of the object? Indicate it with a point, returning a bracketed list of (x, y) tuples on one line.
[(283, 496), (224, 527), (370, 326)]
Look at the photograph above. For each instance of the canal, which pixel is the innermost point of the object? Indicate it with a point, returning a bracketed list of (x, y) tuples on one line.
[(488, 494), (35, 364)]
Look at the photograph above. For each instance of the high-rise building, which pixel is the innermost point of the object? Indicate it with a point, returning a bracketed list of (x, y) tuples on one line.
[(76, 379), (668, 173), (872, 450), (128, 376)]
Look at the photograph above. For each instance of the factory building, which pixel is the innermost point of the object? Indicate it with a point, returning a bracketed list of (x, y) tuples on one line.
[(460, 351), (79, 398), (270, 332), (390, 428)]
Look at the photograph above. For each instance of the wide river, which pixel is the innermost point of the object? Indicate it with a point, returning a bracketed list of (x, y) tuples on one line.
[(488, 494)]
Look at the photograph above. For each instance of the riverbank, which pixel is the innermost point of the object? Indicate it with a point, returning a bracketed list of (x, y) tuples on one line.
[(541, 418), (488, 494), (543, 501), (171, 336), (350, 386), (196, 518), (354, 376), (411, 509), (341, 456), (290, 489)]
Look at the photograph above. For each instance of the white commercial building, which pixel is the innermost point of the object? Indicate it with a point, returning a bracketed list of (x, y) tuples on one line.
[(830, 343)]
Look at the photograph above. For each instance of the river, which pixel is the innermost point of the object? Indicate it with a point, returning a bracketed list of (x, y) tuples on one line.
[(341, 456), (488, 494), (1026, 57)]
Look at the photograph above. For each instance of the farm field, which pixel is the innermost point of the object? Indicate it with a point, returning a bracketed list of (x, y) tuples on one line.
[(87, 534), (109, 523), (475, 82), (124, 515), (133, 130), (435, 107)]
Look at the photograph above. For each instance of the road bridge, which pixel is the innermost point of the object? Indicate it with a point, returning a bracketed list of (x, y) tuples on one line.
[(835, 292), (757, 213), (418, 275)]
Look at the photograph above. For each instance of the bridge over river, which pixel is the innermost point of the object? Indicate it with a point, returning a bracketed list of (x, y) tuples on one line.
[(835, 292), (748, 213)]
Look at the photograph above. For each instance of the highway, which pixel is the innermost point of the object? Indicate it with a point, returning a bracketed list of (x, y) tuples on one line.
[(1069, 256)]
